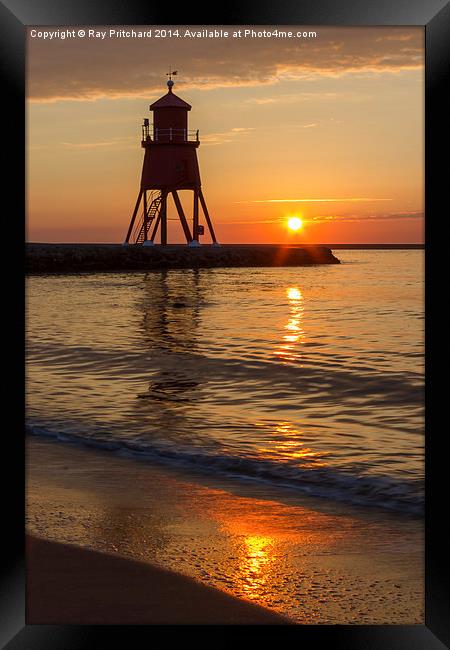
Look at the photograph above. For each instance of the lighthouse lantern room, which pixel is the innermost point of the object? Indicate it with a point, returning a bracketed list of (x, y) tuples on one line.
[(170, 165)]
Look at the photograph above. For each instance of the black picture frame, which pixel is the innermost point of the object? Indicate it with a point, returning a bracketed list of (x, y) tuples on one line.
[(434, 15)]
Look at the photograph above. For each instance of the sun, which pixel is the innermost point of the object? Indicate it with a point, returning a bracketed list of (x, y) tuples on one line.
[(295, 223)]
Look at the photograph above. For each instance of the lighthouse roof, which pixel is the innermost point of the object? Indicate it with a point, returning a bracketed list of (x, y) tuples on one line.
[(170, 100)]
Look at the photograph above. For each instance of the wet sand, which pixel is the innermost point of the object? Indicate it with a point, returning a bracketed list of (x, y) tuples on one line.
[(313, 561), (75, 586)]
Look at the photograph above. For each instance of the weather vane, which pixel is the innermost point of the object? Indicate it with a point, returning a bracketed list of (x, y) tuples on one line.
[(170, 73)]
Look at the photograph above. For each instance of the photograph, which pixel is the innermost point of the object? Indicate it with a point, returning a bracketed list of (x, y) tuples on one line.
[(224, 309)]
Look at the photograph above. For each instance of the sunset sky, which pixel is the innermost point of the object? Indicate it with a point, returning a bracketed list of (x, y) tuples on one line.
[(328, 129)]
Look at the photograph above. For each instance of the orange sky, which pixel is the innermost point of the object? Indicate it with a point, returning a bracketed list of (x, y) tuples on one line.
[(329, 129)]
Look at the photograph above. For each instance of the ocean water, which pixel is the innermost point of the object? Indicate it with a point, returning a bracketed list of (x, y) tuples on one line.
[(308, 379)]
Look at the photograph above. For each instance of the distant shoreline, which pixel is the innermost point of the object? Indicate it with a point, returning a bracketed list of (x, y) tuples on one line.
[(335, 246), (393, 247), (91, 258)]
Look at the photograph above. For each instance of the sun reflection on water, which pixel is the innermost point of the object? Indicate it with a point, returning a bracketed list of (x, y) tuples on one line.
[(254, 564), (259, 535), (288, 444), (295, 334)]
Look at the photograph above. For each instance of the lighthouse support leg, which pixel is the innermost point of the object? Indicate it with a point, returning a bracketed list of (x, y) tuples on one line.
[(133, 218), (145, 216), (184, 223), (208, 220), (195, 217), (163, 213)]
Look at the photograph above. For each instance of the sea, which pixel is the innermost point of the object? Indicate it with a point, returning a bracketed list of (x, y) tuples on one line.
[(306, 379)]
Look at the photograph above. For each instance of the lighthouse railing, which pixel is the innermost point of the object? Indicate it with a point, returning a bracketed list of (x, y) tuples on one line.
[(171, 135)]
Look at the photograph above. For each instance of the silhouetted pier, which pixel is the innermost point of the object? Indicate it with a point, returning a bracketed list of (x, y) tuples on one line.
[(81, 258)]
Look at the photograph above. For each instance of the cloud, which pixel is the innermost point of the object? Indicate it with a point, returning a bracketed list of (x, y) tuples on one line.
[(225, 136), (395, 37), (121, 143), (390, 216), (265, 100), (295, 98), (88, 145), (249, 222), (315, 200), (327, 218), (90, 69)]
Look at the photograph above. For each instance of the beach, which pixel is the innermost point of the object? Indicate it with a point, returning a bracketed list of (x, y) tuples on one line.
[(211, 549), (75, 586), (257, 431)]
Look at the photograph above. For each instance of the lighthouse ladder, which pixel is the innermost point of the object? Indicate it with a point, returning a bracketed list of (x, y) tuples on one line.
[(146, 223)]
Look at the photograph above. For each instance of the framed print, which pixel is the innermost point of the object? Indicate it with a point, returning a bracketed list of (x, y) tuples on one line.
[(225, 375)]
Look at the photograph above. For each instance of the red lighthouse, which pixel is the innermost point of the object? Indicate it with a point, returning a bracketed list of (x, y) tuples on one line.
[(170, 165)]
